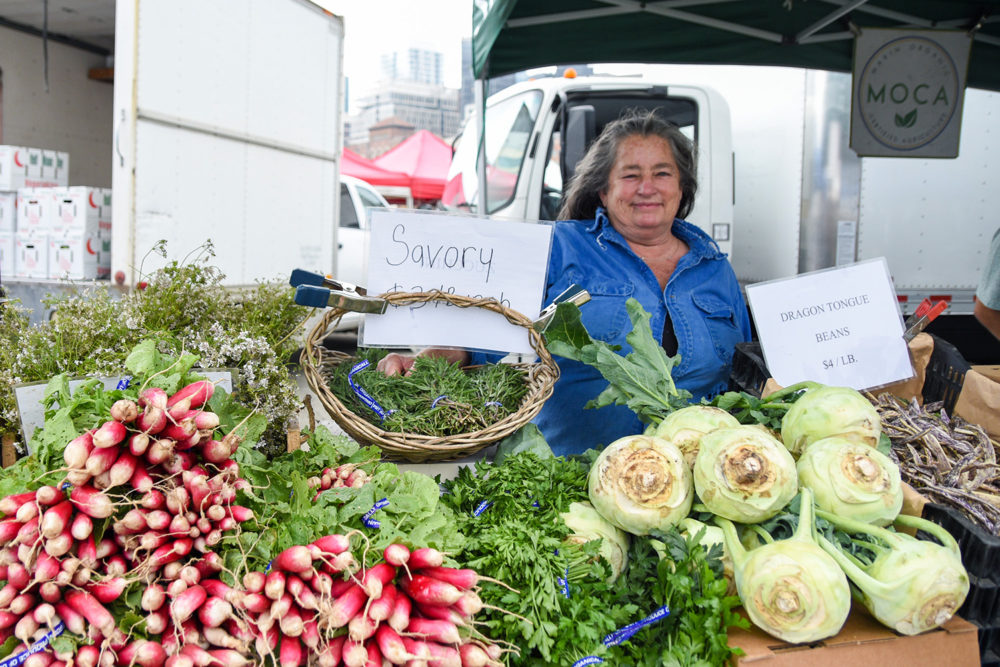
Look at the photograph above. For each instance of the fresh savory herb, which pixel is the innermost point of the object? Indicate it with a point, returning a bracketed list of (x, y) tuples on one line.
[(640, 380), (436, 398)]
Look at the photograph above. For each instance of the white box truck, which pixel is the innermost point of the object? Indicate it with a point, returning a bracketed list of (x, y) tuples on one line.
[(215, 121), (779, 189)]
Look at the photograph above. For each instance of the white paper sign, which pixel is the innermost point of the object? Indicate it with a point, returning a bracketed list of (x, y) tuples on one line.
[(415, 251), (908, 88), (837, 326)]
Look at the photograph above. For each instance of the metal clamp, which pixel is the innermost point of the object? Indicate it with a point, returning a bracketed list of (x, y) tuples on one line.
[(572, 294)]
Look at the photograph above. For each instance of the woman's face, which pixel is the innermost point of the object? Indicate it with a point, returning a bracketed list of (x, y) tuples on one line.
[(644, 188)]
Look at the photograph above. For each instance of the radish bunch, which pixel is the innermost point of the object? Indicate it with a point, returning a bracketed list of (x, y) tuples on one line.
[(148, 495), (345, 475), (315, 605)]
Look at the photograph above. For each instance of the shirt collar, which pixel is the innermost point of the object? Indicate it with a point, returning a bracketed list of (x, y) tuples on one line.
[(699, 242)]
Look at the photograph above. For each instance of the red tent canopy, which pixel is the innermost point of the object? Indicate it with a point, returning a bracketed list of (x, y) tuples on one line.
[(425, 159), (354, 165)]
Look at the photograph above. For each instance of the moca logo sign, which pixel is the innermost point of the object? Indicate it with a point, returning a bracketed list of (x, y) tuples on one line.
[(908, 89)]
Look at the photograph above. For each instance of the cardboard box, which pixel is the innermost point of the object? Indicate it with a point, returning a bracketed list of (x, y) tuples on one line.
[(6, 254), (77, 210), (104, 218), (35, 210), (8, 212), (73, 256), (864, 641), (31, 255), (104, 258), (13, 167)]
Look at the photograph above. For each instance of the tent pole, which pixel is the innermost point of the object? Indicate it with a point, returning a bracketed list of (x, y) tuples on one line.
[(479, 88)]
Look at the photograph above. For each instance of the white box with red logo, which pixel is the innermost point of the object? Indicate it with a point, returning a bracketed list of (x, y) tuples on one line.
[(31, 255), (13, 167), (76, 210), (36, 209), (8, 212), (33, 178), (104, 217), (6, 254), (54, 170), (73, 256)]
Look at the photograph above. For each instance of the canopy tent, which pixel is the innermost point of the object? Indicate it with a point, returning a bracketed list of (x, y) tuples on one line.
[(354, 165), (425, 159), (515, 35)]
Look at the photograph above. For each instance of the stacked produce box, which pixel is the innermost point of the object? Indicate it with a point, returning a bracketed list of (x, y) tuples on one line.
[(49, 230)]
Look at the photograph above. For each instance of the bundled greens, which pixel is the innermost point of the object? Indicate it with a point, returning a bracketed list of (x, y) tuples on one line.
[(436, 398)]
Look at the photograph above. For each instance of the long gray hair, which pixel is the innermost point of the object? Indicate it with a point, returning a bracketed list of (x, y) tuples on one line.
[(594, 170)]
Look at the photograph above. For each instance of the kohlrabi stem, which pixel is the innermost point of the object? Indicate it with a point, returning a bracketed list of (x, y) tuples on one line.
[(931, 528), (787, 391), (760, 532)]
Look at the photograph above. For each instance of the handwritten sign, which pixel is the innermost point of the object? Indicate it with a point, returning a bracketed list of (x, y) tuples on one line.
[(836, 326), (415, 251)]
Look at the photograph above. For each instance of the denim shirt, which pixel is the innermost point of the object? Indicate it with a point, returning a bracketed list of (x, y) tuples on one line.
[(702, 295)]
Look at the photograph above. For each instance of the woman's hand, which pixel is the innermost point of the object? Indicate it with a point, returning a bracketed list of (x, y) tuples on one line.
[(396, 364), (401, 364)]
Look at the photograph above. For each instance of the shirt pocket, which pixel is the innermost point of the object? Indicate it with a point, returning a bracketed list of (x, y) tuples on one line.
[(720, 320), (605, 315)]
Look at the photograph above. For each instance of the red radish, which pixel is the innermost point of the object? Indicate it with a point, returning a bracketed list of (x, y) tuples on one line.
[(291, 624), (123, 468), (7, 593), (310, 633), (134, 521), (360, 628), (153, 396), (91, 502), (108, 435), (22, 604), (74, 621), (400, 617), (182, 430), (152, 421), (206, 421), (438, 631), (158, 519), (473, 655), (281, 606), (87, 606), (425, 557), (176, 587), (333, 651), (153, 499), (86, 551), (115, 565), (178, 660), (27, 511), (293, 559), (209, 564), (124, 410), (46, 567), (290, 652), (417, 648), (25, 628), (255, 603), (215, 451), (55, 519), (240, 513), (49, 495), (332, 545), (443, 656), (376, 577), (44, 614), (391, 645), (227, 657), (462, 578), (141, 480), (8, 619), (187, 603), (88, 655), (198, 655), (178, 499), (274, 586), (195, 395), (178, 462), (396, 554), (81, 527), (101, 460), (214, 612), (468, 605), (76, 453), (428, 590), (159, 451), (108, 590), (138, 443), (439, 613), (221, 638), (253, 582), (8, 530), (153, 597), (10, 504), (355, 654), (28, 533), (346, 606), (374, 655)]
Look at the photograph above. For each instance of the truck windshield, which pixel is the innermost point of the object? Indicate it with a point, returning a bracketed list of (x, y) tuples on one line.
[(508, 130)]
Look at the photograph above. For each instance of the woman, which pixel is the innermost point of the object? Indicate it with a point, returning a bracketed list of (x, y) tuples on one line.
[(622, 235)]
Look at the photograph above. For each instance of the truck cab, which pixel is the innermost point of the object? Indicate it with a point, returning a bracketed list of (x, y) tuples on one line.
[(537, 131)]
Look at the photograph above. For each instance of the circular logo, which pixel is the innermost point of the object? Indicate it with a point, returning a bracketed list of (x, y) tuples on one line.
[(908, 92)]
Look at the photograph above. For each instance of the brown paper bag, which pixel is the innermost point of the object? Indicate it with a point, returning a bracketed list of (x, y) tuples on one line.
[(979, 402)]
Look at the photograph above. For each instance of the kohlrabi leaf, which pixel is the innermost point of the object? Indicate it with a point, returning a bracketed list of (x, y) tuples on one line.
[(641, 379)]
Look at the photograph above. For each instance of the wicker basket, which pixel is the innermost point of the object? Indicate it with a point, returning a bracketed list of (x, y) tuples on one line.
[(316, 362)]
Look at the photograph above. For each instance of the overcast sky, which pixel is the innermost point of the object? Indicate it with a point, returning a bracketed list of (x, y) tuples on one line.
[(374, 27)]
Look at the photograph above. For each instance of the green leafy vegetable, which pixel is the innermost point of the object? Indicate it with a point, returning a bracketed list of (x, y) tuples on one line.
[(640, 380)]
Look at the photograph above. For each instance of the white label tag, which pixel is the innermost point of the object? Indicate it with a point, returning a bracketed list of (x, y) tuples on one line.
[(413, 251), (838, 326)]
